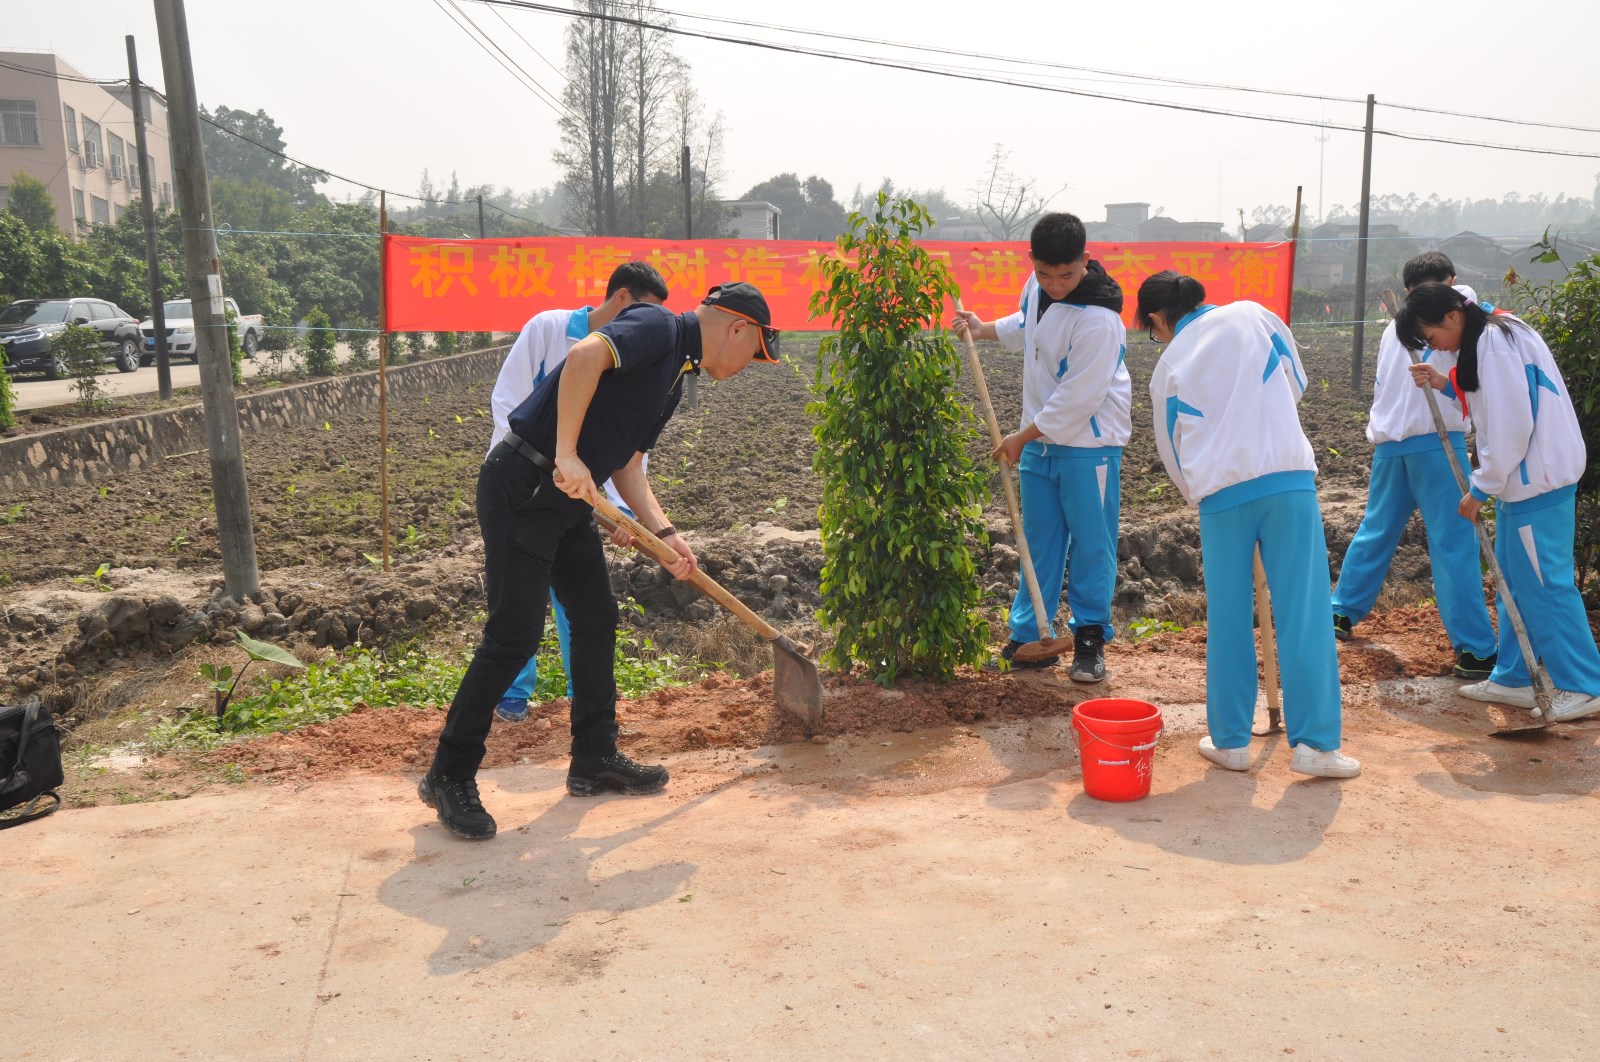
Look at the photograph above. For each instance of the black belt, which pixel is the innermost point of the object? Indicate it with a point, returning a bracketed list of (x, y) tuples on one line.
[(514, 442)]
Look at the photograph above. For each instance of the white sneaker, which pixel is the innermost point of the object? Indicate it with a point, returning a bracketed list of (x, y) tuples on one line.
[(1567, 705), (1329, 764), (1231, 759), (1494, 693)]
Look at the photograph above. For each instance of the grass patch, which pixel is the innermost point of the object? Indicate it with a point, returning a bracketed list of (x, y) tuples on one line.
[(400, 675)]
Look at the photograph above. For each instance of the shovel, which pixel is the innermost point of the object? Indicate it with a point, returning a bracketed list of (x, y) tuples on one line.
[(1046, 648), (1541, 678), (796, 685)]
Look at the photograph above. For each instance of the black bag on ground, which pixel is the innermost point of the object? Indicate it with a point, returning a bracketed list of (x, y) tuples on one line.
[(30, 762)]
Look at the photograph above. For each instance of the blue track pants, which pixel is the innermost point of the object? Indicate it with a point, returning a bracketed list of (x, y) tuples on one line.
[(1533, 543), (1071, 507), (1294, 552), (1400, 484), (527, 679)]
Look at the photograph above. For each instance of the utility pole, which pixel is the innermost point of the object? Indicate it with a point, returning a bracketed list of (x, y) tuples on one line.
[(1361, 254), (480, 217), (152, 261), (693, 383), (688, 184), (203, 269), (1322, 155), (1244, 233)]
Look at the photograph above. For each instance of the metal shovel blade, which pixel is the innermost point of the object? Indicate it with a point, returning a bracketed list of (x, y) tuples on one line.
[(1515, 722), (796, 684), (1042, 650)]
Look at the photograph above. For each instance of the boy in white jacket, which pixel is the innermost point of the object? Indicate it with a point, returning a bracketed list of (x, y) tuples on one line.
[(1411, 471), (1530, 457), (543, 344), (1076, 396), (1224, 395)]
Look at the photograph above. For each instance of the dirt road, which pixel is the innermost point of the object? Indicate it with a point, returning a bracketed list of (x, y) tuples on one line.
[(35, 392), (937, 894)]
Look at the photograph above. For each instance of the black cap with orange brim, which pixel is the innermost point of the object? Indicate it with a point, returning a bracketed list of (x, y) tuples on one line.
[(745, 300)]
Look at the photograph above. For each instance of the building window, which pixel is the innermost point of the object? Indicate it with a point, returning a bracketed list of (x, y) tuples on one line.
[(102, 211), (19, 123), (78, 212), (117, 157), (166, 193), (72, 127), (93, 146)]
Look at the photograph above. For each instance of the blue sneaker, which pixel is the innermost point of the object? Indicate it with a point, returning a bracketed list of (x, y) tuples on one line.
[(512, 709)]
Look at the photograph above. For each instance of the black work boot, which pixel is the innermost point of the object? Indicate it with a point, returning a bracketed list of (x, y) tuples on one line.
[(1089, 653), (1343, 629), (593, 775), (1473, 666), (458, 806)]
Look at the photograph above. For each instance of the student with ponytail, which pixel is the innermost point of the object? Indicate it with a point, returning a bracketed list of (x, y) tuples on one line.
[(1530, 457), (1224, 395)]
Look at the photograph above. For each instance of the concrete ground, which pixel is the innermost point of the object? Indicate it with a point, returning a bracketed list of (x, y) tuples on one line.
[(933, 895)]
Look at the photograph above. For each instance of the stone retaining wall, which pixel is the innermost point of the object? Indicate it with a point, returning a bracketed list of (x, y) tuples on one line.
[(89, 452)]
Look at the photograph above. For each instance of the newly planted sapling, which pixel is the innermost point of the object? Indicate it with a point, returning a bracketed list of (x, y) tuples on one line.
[(901, 495)]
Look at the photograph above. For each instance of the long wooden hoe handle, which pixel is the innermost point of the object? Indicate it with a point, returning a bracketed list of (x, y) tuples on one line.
[(1536, 670), (1012, 503), (667, 555)]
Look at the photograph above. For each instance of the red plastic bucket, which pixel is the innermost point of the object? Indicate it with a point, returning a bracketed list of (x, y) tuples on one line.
[(1117, 740)]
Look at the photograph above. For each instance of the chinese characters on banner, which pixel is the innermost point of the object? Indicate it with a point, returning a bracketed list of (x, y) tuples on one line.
[(496, 285)]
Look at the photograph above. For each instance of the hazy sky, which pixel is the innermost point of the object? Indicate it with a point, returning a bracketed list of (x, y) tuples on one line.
[(378, 91)]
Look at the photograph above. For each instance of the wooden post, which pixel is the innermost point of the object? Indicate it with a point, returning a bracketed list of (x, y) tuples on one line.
[(1356, 352), (203, 267), (1294, 251), (383, 373)]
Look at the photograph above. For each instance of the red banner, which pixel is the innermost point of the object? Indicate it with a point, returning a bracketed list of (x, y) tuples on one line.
[(496, 285)]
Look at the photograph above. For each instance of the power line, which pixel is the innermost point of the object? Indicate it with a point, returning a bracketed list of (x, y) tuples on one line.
[(894, 64), (559, 72), (1133, 75), (53, 75), (507, 63)]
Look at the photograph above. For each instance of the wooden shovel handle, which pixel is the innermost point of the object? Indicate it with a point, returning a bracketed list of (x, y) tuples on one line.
[(1013, 504), (1269, 642), (1540, 677), (665, 554)]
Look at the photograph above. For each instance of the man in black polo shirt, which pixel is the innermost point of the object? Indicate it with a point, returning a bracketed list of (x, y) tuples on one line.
[(591, 419)]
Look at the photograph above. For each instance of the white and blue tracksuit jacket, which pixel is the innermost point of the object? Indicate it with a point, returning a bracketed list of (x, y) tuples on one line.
[(1530, 456), (1077, 392), (1224, 398)]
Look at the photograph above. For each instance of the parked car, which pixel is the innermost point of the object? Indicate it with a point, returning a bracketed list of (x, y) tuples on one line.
[(179, 319), (27, 325)]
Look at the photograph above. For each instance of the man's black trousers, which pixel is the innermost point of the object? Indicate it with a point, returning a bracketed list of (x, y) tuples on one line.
[(535, 540)]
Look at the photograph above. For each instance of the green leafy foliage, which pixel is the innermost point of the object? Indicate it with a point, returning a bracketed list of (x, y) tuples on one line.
[(377, 678), (1566, 313), (235, 348), (78, 349), (361, 340), (8, 397), (317, 352), (901, 498), (96, 578), (29, 199), (1147, 627), (446, 343)]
